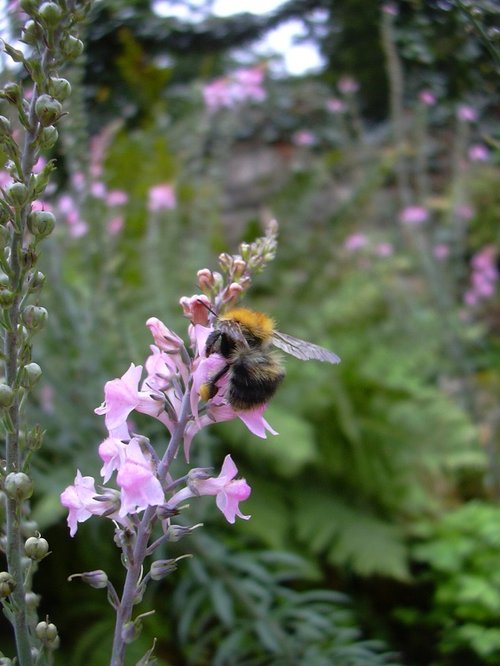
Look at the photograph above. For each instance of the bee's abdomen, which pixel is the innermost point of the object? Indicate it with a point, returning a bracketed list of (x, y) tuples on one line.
[(254, 380)]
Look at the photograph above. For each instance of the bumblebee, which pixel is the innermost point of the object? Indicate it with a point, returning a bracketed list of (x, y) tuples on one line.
[(245, 339)]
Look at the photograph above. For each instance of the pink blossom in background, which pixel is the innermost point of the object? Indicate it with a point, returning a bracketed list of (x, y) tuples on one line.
[(98, 189), (355, 241), (5, 178), (348, 85), (478, 153), (247, 84), (384, 249), (161, 197), (303, 138), (336, 105), (390, 8), (484, 276), (115, 225), (78, 181), (467, 113), (218, 94), (465, 212), (116, 198), (441, 251), (427, 97), (414, 215)]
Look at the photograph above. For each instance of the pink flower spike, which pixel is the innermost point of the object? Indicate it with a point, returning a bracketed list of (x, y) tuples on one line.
[(139, 486), (79, 500)]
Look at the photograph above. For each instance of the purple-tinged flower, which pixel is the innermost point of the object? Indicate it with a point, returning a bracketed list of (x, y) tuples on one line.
[(115, 225), (384, 249), (112, 453), (80, 500), (467, 113), (228, 491), (478, 153), (196, 309), (465, 212), (441, 251), (78, 180), (336, 105), (218, 94), (348, 85), (414, 215), (427, 97), (355, 241), (161, 197), (138, 483), (390, 8), (39, 164), (121, 396), (247, 84), (98, 189), (303, 138), (116, 198), (5, 178), (164, 338)]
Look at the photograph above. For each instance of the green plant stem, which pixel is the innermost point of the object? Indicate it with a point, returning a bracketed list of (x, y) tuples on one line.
[(140, 549)]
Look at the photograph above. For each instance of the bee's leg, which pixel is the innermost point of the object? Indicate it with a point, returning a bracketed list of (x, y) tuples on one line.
[(209, 389)]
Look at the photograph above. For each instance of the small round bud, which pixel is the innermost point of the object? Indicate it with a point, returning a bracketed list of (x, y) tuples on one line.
[(60, 88), (32, 600), (36, 548), (6, 396), (18, 486), (50, 13), (37, 281), (6, 297), (41, 223), (46, 631), (31, 373), (5, 661), (162, 568), (17, 194), (7, 584), (205, 279), (48, 137), (31, 32), (34, 317), (47, 109), (72, 47), (239, 267), (12, 92), (97, 579)]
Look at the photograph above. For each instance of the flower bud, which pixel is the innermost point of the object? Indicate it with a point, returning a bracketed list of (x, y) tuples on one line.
[(50, 13), (34, 317), (6, 297), (164, 512), (48, 137), (17, 194), (7, 584), (46, 632), (37, 281), (96, 579), (28, 257), (6, 396), (32, 601), (47, 109), (205, 279), (11, 92), (162, 568), (36, 548), (177, 532), (5, 128), (60, 88), (131, 631), (5, 661), (72, 47), (31, 373), (18, 486), (225, 261), (239, 267), (31, 32)]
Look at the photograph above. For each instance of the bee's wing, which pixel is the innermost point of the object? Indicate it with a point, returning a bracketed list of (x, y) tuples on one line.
[(306, 351)]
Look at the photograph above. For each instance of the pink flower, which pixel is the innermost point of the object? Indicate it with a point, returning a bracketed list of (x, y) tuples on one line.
[(218, 94), (78, 180), (247, 84), (228, 491), (136, 477), (427, 97), (478, 153), (116, 198), (303, 138), (121, 396), (112, 453), (167, 340), (161, 197), (40, 163), (441, 251), (336, 105), (384, 249), (80, 500), (348, 85), (355, 241), (390, 8), (196, 308), (98, 190), (115, 225), (414, 215), (466, 113)]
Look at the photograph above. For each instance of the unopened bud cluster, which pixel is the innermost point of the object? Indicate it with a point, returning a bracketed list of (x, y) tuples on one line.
[(47, 633)]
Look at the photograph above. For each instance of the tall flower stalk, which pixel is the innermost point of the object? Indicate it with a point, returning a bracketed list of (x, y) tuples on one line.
[(27, 130), (169, 388)]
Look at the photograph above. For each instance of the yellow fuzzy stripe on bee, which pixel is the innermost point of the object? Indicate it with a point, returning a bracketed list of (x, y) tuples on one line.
[(257, 323)]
